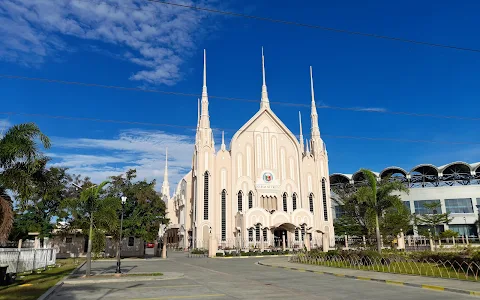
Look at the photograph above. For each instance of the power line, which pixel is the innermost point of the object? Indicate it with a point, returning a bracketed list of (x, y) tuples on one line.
[(229, 129), (366, 110), (229, 13)]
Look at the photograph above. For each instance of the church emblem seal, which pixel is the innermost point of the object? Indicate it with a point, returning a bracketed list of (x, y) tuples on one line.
[(267, 177)]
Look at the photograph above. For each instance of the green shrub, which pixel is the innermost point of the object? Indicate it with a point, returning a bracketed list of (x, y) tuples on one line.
[(199, 251)]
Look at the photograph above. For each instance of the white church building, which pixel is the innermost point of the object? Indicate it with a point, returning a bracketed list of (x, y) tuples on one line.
[(268, 185)]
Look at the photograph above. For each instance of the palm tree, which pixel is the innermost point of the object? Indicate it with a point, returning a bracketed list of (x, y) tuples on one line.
[(378, 198), (91, 209), (19, 158)]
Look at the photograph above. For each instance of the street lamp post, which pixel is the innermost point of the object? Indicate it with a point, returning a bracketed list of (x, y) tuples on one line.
[(118, 271)]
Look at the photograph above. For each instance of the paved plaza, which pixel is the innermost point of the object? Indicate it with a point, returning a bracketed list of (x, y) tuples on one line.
[(236, 278)]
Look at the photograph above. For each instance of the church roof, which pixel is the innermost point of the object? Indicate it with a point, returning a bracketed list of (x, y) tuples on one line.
[(274, 118)]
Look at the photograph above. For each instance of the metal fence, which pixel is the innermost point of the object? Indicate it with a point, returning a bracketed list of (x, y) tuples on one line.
[(26, 260), (455, 269), (253, 244)]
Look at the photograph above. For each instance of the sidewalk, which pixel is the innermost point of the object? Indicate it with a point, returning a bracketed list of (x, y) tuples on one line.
[(439, 284), (132, 270)]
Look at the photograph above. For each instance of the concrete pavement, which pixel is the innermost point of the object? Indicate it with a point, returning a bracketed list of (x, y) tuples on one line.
[(440, 284), (241, 279)]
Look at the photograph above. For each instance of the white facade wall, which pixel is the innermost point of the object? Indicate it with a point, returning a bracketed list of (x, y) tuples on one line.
[(266, 159)]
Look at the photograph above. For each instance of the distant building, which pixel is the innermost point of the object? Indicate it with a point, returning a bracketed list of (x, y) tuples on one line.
[(267, 184), (456, 186)]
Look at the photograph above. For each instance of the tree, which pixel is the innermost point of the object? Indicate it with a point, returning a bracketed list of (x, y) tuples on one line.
[(144, 209), (377, 199), (449, 234), (355, 219), (394, 220), (19, 158), (433, 219), (92, 210), (347, 225), (38, 204)]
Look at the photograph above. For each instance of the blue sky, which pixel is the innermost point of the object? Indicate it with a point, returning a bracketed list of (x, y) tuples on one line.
[(141, 44)]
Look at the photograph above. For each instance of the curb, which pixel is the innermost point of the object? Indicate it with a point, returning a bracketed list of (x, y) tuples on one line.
[(125, 279), (59, 283), (258, 256), (128, 259), (399, 283)]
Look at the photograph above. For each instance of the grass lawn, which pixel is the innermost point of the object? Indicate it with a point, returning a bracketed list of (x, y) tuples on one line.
[(32, 286), (411, 268)]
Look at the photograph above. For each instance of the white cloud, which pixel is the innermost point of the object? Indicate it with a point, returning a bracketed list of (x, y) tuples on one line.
[(4, 125), (154, 36), (140, 149)]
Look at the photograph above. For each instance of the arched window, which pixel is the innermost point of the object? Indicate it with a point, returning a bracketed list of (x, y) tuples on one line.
[(285, 202), (240, 201), (324, 193), (310, 200), (296, 234), (224, 215), (257, 232), (250, 200), (250, 234), (205, 196), (294, 201), (302, 230), (265, 234)]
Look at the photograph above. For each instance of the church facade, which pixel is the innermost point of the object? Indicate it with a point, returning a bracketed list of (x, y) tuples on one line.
[(267, 188)]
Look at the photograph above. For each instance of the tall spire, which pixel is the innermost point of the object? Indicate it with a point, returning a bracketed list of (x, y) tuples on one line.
[(307, 150), (198, 113), (223, 147), (264, 103), (205, 118), (301, 131), (166, 185), (314, 116), (204, 89)]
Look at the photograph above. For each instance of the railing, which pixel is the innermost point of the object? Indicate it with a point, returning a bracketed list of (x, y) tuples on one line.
[(27, 260), (464, 270)]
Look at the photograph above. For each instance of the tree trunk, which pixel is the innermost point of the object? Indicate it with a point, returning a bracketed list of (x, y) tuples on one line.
[(377, 232), (89, 249)]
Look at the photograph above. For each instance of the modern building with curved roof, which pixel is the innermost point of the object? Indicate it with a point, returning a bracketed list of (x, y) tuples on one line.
[(456, 186)]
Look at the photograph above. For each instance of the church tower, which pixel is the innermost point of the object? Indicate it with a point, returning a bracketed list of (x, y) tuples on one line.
[(165, 184), (318, 150), (203, 165)]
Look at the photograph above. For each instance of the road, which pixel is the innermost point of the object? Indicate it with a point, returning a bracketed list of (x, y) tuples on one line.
[(240, 279)]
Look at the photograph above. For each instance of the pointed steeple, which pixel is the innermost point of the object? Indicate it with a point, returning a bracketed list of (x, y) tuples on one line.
[(204, 118), (307, 150), (315, 130), (198, 113), (301, 131), (223, 147), (264, 103), (165, 184)]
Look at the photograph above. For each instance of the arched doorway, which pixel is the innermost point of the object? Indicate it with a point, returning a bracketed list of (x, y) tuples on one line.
[(277, 237), (280, 230)]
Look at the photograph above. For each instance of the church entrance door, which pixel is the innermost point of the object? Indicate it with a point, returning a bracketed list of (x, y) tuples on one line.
[(277, 237)]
